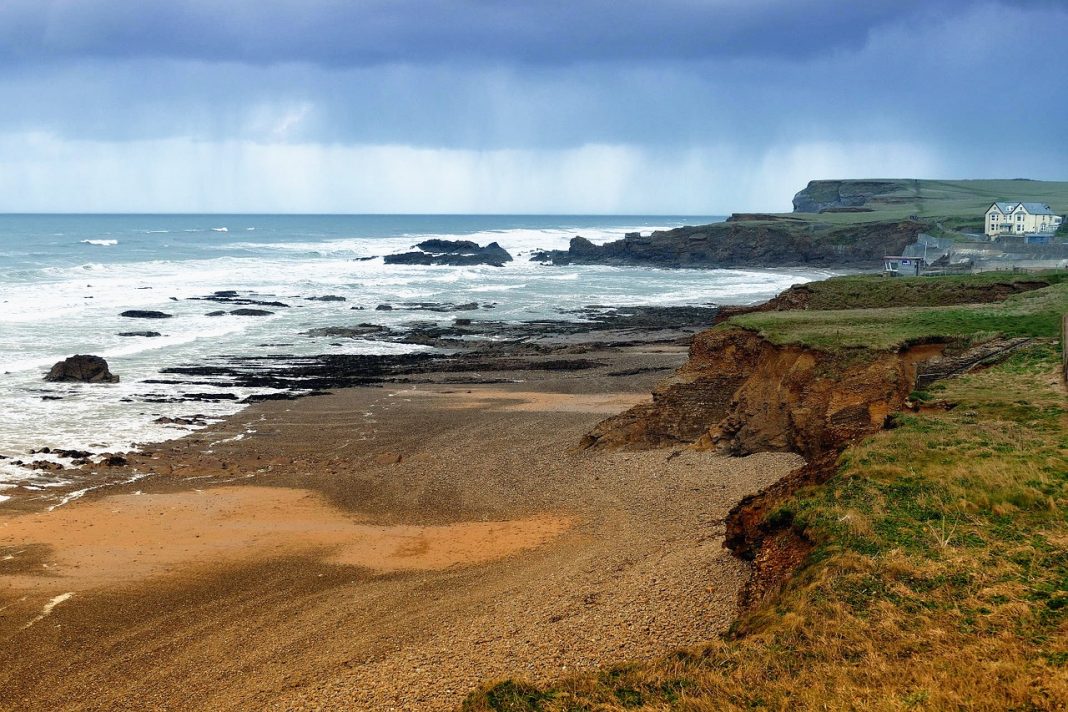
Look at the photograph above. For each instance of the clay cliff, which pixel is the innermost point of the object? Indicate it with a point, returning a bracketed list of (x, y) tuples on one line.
[(739, 393)]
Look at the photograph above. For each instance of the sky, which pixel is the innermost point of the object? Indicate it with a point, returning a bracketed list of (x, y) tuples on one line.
[(681, 107)]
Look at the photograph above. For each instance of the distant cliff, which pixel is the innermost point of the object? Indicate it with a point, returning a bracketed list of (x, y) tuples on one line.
[(821, 196), (759, 241)]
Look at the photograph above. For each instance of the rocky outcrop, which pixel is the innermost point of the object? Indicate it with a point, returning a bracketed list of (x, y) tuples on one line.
[(230, 296), (347, 332), (452, 252), (740, 394), (82, 368), (832, 196), (145, 314), (749, 243)]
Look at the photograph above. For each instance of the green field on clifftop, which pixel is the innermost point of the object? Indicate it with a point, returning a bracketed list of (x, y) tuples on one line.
[(967, 199), (1035, 313)]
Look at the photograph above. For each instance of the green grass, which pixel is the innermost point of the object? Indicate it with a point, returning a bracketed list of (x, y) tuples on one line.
[(1036, 313), (938, 578), (875, 291), (952, 199)]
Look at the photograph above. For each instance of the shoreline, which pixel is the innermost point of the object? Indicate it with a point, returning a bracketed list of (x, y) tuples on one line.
[(232, 614)]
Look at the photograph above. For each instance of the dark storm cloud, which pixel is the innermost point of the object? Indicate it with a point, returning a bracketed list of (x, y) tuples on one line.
[(476, 105), (361, 32)]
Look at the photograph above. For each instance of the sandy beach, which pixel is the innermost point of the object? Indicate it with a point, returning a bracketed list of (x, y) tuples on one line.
[(379, 548)]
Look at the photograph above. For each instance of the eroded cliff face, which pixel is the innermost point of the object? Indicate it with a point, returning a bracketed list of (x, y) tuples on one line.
[(740, 394)]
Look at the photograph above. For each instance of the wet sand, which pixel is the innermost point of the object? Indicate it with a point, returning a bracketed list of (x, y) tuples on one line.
[(378, 548)]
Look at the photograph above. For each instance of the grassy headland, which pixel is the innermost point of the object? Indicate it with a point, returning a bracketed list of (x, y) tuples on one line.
[(897, 199), (1033, 313), (851, 223), (938, 577)]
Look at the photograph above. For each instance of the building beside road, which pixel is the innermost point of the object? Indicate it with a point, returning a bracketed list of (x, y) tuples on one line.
[(1004, 218)]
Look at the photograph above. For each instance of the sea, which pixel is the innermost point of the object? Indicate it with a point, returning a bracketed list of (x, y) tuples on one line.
[(65, 279)]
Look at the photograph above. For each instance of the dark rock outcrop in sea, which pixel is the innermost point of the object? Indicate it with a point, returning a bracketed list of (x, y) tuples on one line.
[(777, 242), (229, 296), (452, 252), (251, 312), (145, 314), (82, 368), (139, 333), (347, 332)]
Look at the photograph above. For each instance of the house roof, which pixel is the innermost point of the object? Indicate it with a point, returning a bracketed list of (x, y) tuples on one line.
[(1038, 208), (1032, 208)]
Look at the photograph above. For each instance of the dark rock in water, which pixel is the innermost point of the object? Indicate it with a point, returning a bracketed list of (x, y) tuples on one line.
[(145, 314), (357, 308), (195, 420), (59, 452), (383, 307), (139, 333), (251, 312), (328, 298), (45, 465), (216, 313), (229, 296), (462, 322), (440, 307), (452, 252), (82, 368), (449, 246), (209, 397), (114, 461), (347, 331)]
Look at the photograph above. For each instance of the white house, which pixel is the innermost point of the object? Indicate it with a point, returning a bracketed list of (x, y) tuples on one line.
[(1021, 219)]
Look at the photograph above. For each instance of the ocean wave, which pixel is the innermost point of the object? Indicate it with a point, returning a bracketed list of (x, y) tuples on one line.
[(102, 243), (220, 229)]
